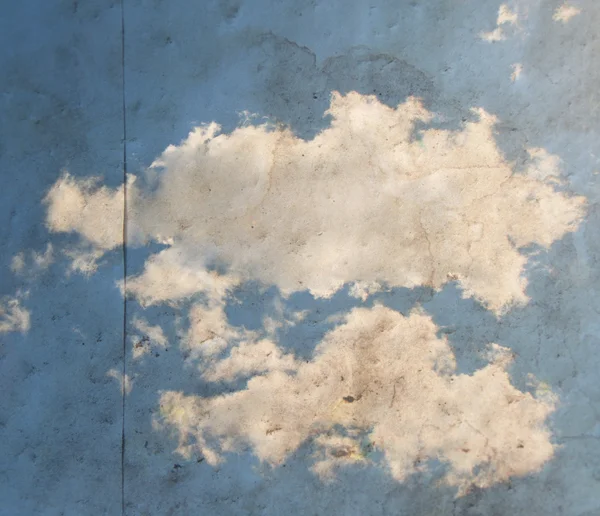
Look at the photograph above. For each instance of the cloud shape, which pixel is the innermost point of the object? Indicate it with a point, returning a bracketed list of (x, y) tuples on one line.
[(172, 275), (379, 198), (363, 201), (370, 199), (506, 18), (29, 264), (565, 12), (379, 382), (80, 205), (13, 317)]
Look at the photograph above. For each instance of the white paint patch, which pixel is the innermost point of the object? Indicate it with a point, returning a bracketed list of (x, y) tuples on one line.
[(84, 260), (250, 358), (362, 289), (148, 337), (171, 276), (209, 332), (517, 69), (29, 264)]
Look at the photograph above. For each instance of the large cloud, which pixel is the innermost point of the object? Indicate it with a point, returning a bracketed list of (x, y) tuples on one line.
[(370, 199), (363, 201), (380, 382)]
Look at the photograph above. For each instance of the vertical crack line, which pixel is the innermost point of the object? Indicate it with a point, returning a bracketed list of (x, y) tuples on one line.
[(124, 349)]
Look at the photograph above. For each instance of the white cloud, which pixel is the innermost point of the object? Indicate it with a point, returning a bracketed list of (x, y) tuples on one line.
[(362, 202), (13, 317), (172, 276), (565, 12), (391, 383), (96, 213)]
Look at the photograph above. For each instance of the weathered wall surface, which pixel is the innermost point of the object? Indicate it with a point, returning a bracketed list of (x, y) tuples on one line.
[(60, 331), (360, 247)]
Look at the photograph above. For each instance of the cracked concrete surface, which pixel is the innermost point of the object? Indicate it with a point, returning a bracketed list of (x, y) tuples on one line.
[(304, 257)]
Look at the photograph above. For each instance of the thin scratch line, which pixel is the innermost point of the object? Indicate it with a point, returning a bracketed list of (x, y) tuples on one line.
[(124, 350)]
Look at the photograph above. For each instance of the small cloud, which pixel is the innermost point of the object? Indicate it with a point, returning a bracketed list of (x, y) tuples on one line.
[(33, 262), (13, 317), (149, 337), (494, 35), (43, 260), (124, 382), (506, 17), (250, 358), (210, 333), (565, 12), (172, 275), (267, 206), (499, 355), (543, 166), (84, 260), (517, 69), (17, 264)]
